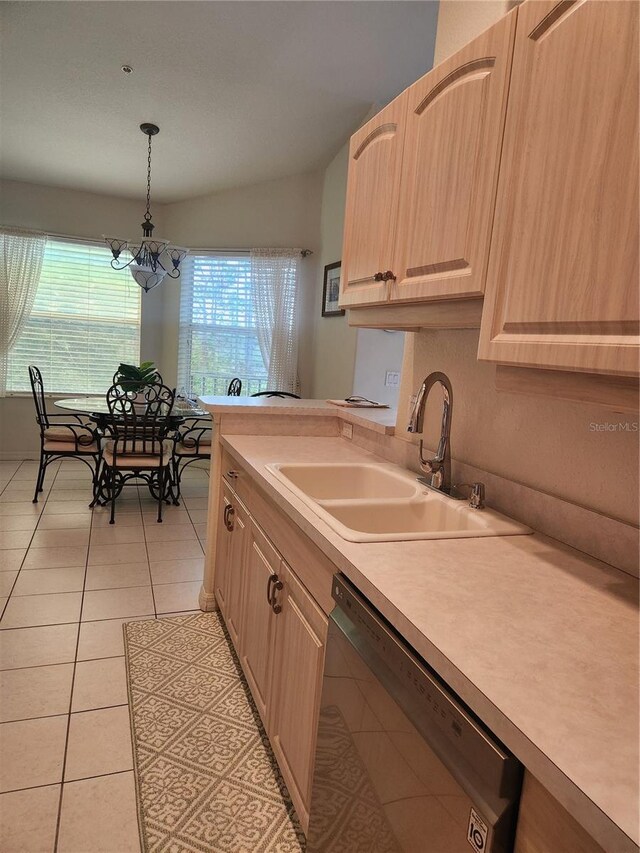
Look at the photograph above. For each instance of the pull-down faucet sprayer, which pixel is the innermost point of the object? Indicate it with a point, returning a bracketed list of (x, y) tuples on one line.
[(438, 469)]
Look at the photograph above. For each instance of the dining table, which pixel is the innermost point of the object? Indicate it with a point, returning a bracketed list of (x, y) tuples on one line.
[(97, 409)]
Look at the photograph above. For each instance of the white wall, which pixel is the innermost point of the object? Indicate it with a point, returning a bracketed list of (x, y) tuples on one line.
[(275, 214), (334, 344), (377, 352), (77, 214)]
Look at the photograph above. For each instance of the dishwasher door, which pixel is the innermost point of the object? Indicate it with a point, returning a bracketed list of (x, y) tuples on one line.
[(401, 765)]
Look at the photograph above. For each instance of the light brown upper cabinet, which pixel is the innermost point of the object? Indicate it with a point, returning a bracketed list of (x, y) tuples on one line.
[(422, 182), (454, 126), (562, 284), (373, 185)]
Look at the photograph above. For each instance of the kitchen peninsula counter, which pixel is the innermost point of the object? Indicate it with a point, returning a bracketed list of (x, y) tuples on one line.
[(538, 639)]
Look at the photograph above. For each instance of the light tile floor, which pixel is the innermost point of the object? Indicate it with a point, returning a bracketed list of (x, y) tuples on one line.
[(68, 582)]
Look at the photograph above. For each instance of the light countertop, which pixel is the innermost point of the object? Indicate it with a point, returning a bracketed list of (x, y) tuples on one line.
[(379, 420), (539, 639)]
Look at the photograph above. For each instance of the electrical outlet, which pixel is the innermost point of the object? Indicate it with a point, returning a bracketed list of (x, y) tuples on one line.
[(347, 430), (392, 379)]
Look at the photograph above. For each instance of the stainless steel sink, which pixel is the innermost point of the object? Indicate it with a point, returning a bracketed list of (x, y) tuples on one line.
[(368, 502)]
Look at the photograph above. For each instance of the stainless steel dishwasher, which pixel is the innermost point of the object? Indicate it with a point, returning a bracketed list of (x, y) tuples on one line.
[(401, 765)]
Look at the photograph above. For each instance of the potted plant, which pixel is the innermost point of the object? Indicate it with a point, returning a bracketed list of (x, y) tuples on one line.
[(135, 379)]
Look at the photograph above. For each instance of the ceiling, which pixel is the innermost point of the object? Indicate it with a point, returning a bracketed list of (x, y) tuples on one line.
[(242, 91)]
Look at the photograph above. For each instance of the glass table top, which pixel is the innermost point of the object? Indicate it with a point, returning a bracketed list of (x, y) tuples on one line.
[(98, 405)]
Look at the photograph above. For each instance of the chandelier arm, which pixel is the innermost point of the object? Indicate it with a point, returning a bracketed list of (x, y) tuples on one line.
[(115, 266)]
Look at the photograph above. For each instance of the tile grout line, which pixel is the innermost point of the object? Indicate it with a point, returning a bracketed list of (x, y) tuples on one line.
[(70, 782), (73, 684), (66, 714), (93, 526), (33, 533), (146, 550)]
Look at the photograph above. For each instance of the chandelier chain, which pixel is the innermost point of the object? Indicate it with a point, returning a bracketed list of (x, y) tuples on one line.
[(147, 215)]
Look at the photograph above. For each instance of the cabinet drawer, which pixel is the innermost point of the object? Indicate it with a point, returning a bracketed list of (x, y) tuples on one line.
[(236, 477)]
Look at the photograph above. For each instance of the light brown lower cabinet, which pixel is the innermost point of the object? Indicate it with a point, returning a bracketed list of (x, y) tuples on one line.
[(230, 558), (257, 637), (544, 826), (279, 633), (301, 631)]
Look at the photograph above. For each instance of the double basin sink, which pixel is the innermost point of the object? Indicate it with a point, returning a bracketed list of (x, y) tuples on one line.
[(369, 502)]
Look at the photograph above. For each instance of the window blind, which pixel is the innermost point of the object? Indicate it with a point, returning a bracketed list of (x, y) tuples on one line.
[(84, 322), (217, 339)]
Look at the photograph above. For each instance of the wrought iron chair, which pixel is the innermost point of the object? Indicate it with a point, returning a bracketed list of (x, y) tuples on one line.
[(138, 446), (276, 394), (61, 439), (235, 387), (192, 441)]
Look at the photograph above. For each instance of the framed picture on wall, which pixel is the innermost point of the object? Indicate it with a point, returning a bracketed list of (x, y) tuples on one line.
[(331, 291)]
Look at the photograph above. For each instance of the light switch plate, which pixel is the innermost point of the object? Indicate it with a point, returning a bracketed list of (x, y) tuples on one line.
[(392, 379), (347, 430)]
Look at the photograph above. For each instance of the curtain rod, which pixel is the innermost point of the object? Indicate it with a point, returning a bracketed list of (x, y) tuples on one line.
[(245, 251)]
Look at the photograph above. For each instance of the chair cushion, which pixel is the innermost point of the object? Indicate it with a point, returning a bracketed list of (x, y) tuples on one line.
[(65, 433), (136, 458), (185, 450), (70, 447)]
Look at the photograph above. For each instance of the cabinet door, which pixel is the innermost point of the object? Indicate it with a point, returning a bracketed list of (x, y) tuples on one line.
[(256, 644), (454, 127), (223, 544), (375, 158), (301, 631), (236, 568), (544, 825), (562, 284)]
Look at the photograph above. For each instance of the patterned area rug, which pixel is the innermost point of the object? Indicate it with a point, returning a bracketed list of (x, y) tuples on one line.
[(206, 778)]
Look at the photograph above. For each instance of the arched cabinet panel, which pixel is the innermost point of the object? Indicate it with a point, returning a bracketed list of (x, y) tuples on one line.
[(454, 126), (375, 158), (562, 287)]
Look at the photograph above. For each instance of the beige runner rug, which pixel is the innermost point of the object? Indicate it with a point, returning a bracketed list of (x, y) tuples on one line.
[(206, 778)]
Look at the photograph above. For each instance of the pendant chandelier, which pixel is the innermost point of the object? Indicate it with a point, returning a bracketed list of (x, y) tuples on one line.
[(145, 263)]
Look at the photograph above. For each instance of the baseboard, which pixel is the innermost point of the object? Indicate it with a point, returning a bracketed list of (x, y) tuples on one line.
[(207, 601)]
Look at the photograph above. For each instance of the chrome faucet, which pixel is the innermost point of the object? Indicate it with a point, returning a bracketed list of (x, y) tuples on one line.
[(438, 469)]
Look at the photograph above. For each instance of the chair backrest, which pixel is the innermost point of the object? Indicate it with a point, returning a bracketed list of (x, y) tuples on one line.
[(37, 389), (235, 387), (276, 394), (139, 421)]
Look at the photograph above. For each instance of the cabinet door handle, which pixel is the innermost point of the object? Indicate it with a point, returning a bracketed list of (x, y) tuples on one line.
[(384, 276), (277, 586), (229, 512), (269, 582), (271, 594), (232, 475)]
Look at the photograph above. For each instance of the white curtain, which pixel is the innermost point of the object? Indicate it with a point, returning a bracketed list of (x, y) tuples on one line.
[(21, 254), (274, 287)]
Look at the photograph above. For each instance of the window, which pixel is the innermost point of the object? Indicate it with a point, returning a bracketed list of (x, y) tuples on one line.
[(218, 339), (84, 322)]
